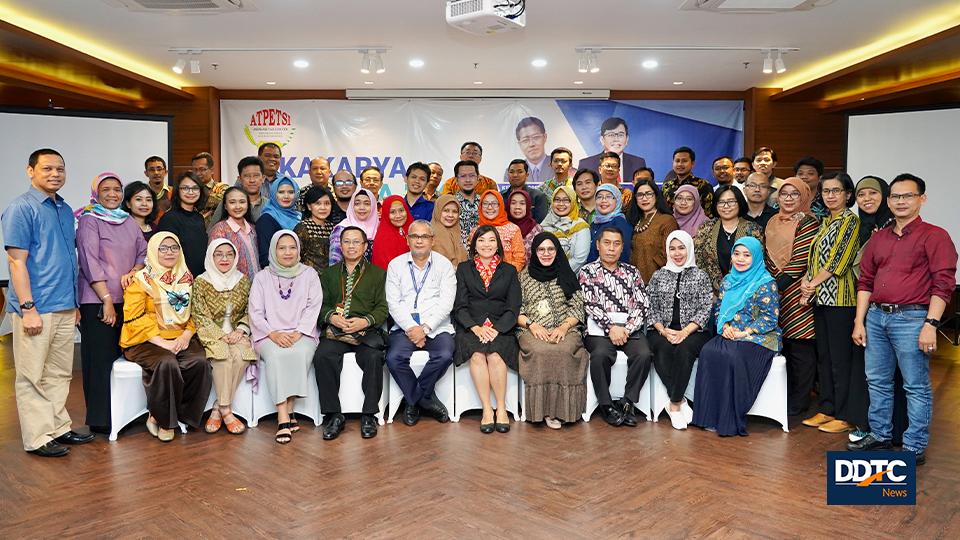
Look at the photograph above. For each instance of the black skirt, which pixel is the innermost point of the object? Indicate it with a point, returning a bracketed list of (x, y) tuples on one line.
[(468, 343)]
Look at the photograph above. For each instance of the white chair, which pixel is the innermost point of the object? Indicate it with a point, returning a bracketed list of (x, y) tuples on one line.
[(351, 390), (466, 397), (660, 398), (443, 388), (618, 381), (128, 398), (263, 405), (771, 402)]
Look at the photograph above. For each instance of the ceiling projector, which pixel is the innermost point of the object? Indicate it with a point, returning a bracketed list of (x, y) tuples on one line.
[(486, 17)]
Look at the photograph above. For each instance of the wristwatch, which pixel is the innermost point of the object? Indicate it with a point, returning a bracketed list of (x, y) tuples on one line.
[(27, 305), (932, 322)]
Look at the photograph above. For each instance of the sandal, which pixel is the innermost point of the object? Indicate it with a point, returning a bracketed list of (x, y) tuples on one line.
[(214, 422), (294, 424), (283, 438), (235, 426)]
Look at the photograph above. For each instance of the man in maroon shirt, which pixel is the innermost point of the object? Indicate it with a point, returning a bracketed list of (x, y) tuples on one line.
[(907, 276)]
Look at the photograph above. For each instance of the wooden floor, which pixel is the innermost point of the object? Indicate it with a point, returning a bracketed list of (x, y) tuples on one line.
[(450, 481)]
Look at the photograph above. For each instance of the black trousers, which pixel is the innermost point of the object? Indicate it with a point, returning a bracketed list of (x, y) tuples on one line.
[(675, 362), (842, 393), (99, 348), (603, 354), (327, 365), (801, 357)]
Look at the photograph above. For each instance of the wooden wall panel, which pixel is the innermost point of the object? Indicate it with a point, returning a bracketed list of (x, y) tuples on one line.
[(196, 127)]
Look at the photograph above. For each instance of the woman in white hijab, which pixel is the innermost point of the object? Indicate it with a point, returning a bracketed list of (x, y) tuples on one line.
[(681, 299), (220, 297)]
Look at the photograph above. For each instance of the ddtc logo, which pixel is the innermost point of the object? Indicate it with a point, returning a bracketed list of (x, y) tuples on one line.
[(871, 478)]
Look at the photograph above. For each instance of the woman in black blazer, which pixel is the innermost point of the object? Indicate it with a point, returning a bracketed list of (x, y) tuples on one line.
[(485, 313)]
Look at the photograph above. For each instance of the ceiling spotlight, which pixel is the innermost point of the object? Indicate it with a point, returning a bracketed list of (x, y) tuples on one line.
[(368, 82), (416, 63), (577, 82), (650, 64), (365, 63), (194, 66), (271, 83), (478, 82), (780, 66), (677, 83), (376, 63), (767, 63), (178, 67), (301, 64), (538, 63)]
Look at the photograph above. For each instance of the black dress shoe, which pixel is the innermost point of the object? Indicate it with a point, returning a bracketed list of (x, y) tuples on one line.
[(434, 408), (921, 458), (501, 428), (487, 428), (869, 443), (411, 415), (51, 449), (628, 412), (368, 426), (611, 415), (333, 426), (72, 437)]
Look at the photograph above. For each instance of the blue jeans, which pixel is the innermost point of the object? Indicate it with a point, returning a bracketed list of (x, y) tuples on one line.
[(892, 340)]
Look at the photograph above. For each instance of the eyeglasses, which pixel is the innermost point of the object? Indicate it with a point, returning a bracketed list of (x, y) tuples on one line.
[(352, 242), (468, 176), (756, 187), (490, 204), (646, 195), (558, 200), (789, 196), (610, 166), (615, 135), (224, 256), (169, 249), (903, 196), (344, 183), (727, 203), (682, 199), (834, 191), (531, 139), (416, 237), (190, 189), (200, 169)]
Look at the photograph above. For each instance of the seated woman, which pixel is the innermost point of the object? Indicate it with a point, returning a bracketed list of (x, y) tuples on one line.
[(493, 213), (680, 302), (158, 335), (564, 222), (315, 228), (279, 213), (655, 223), (361, 214), (687, 209), (395, 219), (520, 206), (446, 229), (285, 302), (713, 243), (220, 298), (734, 364), (553, 362), (110, 251), (609, 214), (141, 203), (485, 311), (237, 227)]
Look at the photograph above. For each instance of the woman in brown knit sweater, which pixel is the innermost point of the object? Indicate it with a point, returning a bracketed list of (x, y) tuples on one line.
[(655, 222)]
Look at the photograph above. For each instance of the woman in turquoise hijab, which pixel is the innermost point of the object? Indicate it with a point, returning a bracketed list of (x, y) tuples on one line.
[(609, 213), (279, 213), (734, 364)]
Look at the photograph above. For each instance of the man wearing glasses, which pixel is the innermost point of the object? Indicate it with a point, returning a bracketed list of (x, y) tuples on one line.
[(610, 174), (470, 151), (757, 192), (614, 136), (344, 185), (202, 165), (467, 175)]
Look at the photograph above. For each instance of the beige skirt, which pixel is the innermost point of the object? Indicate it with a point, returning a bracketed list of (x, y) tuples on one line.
[(554, 376)]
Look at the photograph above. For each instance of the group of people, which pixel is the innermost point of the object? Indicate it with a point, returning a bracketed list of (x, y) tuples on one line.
[(267, 281)]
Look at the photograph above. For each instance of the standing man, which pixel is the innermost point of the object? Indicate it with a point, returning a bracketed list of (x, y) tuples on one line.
[(810, 169), (531, 137), (470, 151), (421, 287), (765, 162), (617, 306), (155, 169), (757, 193), (250, 180), (41, 245), (371, 178), (585, 184), (319, 176), (344, 186), (416, 179), (436, 176), (202, 165), (561, 159), (467, 174), (614, 136), (684, 159), (906, 279), (742, 168), (722, 171), (269, 153), (610, 174), (517, 176)]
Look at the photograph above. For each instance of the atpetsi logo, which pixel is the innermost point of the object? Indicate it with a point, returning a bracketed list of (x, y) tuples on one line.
[(871, 478)]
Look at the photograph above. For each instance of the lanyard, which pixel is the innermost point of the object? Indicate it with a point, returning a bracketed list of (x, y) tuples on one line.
[(419, 287)]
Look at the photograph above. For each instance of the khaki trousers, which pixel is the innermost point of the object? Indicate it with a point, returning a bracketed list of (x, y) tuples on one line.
[(228, 373), (44, 367)]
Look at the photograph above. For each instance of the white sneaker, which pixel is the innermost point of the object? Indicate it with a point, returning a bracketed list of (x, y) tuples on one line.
[(687, 411), (553, 423), (677, 419)]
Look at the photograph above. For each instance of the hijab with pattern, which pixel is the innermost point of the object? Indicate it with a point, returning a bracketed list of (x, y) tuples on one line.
[(97, 210), (618, 211), (564, 226), (170, 288)]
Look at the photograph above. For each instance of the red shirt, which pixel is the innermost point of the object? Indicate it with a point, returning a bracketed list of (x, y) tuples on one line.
[(909, 268)]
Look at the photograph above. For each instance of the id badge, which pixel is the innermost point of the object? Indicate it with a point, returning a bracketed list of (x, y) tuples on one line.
[(416, 317)]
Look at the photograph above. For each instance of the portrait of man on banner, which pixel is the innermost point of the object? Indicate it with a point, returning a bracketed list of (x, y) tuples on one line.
[(614, 136)]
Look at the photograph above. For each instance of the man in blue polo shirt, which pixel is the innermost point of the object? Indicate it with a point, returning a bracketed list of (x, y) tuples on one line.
[(418, 174), (40, 240)]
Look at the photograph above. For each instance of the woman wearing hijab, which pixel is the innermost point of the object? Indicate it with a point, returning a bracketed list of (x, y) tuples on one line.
[(687, 210), (446, 229), (553, 361), (220, 298), (734, 364), (184, 220), (360, 214), (680, 302), (237, 226), (655, 223), (714, 241), (485, 314), (493, 213), (564, 222), (110, 250), (609, 214), (395, 219), (285, 303), (520, 206), (159, 335), (315, 228), (279, 213), (789, 235)]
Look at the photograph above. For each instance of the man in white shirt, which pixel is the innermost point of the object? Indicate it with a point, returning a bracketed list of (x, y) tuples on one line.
[(421, 286)]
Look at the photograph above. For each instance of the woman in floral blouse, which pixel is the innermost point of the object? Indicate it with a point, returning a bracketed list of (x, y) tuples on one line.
[(315, 228), (714, 241)]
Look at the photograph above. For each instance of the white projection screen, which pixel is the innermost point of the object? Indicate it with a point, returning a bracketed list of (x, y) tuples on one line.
[(90, 143), (918, 142)]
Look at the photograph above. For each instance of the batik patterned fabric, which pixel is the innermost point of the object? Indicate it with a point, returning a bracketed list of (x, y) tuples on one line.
[(835, 248), (619, 291)]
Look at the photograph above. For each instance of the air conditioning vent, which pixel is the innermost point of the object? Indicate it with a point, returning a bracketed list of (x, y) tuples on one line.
[(200, 7), (752, 6)]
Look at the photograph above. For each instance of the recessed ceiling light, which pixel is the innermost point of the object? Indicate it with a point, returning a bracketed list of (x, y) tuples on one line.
[(650, 64), (677, 83), (301, 64), (367, 82), (577, 82), (271, 83), (477, 82), (416, 63), (538, 63)]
